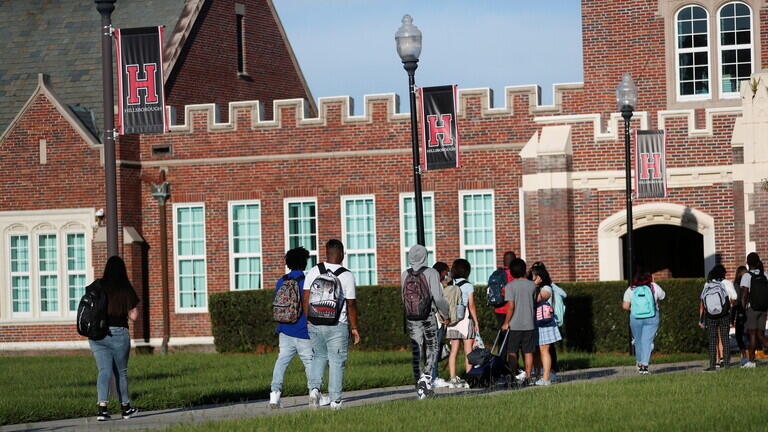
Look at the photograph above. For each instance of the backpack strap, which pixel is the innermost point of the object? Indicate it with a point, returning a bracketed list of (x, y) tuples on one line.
[(322, 268), (339, 271), (464, 282)]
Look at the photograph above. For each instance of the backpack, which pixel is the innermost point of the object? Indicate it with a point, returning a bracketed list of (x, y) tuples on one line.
[(558, 302), (643, 304), (286, 305), (495, 290), (326, 297), (92, 313), (715, 300), (545, 313), (456, 307), (758, 292), (417, 298)]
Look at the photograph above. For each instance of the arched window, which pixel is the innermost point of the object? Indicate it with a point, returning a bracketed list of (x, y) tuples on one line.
[(735, 46), (692, 49)]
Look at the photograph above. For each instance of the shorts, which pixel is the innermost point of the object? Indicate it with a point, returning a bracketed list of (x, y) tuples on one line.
[(525, 340), (755, 320)]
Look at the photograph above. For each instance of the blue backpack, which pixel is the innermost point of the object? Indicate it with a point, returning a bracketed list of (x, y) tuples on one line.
[(643, 304), (495, 291), (558, 302)]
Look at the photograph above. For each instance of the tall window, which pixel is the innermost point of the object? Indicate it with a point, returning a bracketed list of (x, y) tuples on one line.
[(20, 274), (478, 244), (408, 225), (245, 245), (359, 232), (692, 43), (735, 43), (75, 269), (48, 273), (301, 226), (191, 287), (240, 43)]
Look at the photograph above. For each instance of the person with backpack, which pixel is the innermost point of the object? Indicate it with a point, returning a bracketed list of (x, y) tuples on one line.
[(754, 300), (288, 311), (739, 316), (496, 290), (332, 314), (546, 322), (642, 301), (112, 349), (558, 303), (520, 294), (714, 314), (462, 332), (422, 295)]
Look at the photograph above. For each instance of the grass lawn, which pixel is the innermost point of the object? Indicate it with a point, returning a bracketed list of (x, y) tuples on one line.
[(733, 400), (46, 388)]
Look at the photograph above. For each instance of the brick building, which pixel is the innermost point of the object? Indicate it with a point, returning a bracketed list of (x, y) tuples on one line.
[(546, 181)]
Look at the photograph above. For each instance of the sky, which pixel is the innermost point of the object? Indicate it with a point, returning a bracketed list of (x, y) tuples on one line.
[(347, 47)]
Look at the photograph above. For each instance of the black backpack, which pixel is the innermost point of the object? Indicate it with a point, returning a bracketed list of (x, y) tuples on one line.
[(92, 313), (758, 292)]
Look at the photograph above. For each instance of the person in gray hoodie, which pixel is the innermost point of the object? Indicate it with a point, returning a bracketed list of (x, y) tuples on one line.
[(424, 332)]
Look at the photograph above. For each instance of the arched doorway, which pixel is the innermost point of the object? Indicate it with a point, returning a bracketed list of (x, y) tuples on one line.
[(673, 251)]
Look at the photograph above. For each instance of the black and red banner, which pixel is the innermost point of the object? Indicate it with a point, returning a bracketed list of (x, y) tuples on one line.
[(650, 164), (440, 140), (140, 96)]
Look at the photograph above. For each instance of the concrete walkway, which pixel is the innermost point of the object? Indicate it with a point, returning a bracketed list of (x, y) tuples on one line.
[(171, 417)]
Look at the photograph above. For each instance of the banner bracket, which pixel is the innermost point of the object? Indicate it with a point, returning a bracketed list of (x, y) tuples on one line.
[(108, 30)]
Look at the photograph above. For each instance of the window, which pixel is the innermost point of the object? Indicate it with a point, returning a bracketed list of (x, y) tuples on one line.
[(478, 244), (245, 245), (408, 225), (358, 227), (75, 269), (240, 43), (47, 264), (301, 226), (189, 252), (20, 275), (735, 44), (692, 49)]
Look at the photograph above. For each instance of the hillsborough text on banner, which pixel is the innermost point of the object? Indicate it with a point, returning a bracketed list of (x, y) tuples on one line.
[(440, 143), (650, 164), (140, 100)]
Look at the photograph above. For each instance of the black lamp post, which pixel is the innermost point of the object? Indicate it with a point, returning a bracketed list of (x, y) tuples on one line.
[(626, 99), (408, 39)]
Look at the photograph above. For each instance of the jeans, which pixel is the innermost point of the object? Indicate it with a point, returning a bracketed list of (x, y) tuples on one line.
[(329, 346), (440, 340), (111, 355), (644, 331), (424, 340), (289, 347)]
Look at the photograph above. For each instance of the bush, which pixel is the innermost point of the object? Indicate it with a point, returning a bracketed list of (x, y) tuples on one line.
[(594, 320)]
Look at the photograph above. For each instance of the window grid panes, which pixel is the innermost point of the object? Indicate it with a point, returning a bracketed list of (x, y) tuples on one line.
[(692, 51), (75, 269), (477, 238), (48, 276), (301, 224), (20, 275), (246, 246), (190, 257), (735, 45), (408, 228), (360, 239)]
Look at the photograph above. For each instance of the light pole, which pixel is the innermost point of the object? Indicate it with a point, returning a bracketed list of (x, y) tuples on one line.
[(408, 40), (626, 99)]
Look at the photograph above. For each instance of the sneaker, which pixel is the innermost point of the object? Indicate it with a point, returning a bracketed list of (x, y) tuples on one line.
[(749, 365), (440, 383), (457, 382), (743, 361), (336, 405), (274, 399), (316, 399), (521, 376), (720, 364), (103, 413), (424, 387), (129, 411), (644, 370), (542, 382)]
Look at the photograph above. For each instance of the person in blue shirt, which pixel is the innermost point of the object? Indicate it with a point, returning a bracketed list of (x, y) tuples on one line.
[(294, 338)]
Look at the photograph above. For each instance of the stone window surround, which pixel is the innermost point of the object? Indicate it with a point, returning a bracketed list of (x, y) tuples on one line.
[(404, 247), (233, 256)]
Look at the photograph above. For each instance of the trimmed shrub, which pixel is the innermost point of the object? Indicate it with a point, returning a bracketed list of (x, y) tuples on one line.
[(594, 320)]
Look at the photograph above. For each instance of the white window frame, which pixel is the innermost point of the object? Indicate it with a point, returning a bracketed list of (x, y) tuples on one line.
[(176, 257), (678, 51), (463, 248), (233, 256), (287, 234), (736, 94), (404, 247), (28, 274), (347, 251), (57, 273), (65, 268)]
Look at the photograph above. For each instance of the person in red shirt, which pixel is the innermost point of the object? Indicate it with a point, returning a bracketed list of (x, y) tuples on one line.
[(501, 312)]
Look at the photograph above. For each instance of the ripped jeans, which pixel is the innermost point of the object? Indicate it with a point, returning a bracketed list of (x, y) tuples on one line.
[(424, 339), (329, 346)]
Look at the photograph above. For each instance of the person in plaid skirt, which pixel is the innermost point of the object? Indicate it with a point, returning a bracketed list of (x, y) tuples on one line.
[(545, 322), (718, 323)]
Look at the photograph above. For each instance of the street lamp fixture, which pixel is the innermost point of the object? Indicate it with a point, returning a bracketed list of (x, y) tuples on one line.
[(626, 100)]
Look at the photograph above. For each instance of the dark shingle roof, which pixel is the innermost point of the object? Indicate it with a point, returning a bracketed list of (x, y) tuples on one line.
[(61, 38)]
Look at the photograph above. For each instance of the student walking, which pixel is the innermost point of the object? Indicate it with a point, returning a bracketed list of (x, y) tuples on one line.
[(293, 336), (498, 281), (112, 351), (558, 303), (332, 315), (545, 321), (754, 300), (739, 316), (463, 332), (642, 301), (520, 295), (714, 315)]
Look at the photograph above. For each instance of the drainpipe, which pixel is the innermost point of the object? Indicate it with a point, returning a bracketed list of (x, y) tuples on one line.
[(161, 192)]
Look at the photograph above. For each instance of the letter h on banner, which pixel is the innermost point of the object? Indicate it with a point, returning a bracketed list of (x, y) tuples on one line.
[(646, 165), (147, 84), (444, 130)]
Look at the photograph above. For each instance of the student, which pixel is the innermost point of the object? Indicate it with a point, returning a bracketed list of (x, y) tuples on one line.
[(739, 316), (560, 295), (717, 323), (545, 321), (294, 338), (112, 352), (519, 320), (445, 278), (423, 332), (753, 291), (501, 312), (330, 343), (644, 316), (463, 332)]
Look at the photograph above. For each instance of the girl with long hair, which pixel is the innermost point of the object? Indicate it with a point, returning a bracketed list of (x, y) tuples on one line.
[(546, 324), (642, 301)]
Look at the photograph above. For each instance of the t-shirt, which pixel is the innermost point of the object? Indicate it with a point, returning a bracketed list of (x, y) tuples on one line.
[(522, 292), (746, 280), (504, 308), (658, 294), (299, 328), (347, 285), (466, 290), (730, 291)]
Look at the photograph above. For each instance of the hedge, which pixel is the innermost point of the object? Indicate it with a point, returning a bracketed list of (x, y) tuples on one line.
[(594, 320)]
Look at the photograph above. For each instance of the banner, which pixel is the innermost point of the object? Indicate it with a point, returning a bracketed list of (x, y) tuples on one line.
[(140, 96), (440, 142), (650, 164)]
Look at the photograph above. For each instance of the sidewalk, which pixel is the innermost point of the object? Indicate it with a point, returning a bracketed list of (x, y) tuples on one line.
[(171, 417)]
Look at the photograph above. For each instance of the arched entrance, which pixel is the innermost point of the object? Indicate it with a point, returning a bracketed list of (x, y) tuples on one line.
[(673, 251)]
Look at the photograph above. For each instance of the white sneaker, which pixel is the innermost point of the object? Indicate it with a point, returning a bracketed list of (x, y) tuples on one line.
[(749, 365), (274, 399), (316, 399), (336, 405), (543, 382), (521, 376), (440, 383), (744, 360)]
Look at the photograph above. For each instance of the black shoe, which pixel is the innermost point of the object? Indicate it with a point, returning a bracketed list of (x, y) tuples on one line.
[(129, 411), (103, 413)]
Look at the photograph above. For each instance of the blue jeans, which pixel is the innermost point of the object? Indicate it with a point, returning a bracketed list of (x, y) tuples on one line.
[(329, 346), (111, 355), (289, 347), (644, 331)]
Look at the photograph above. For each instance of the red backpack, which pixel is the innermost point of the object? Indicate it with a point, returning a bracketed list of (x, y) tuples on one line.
[(417, 298)]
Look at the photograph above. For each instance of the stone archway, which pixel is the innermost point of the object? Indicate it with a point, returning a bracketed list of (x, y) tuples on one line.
[(614, 227)]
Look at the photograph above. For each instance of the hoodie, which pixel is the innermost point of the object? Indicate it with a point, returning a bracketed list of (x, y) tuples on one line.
[(417, 258)]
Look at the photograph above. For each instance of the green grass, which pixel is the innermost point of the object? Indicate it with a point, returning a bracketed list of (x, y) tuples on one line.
[(731, 400), (46, 388)]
